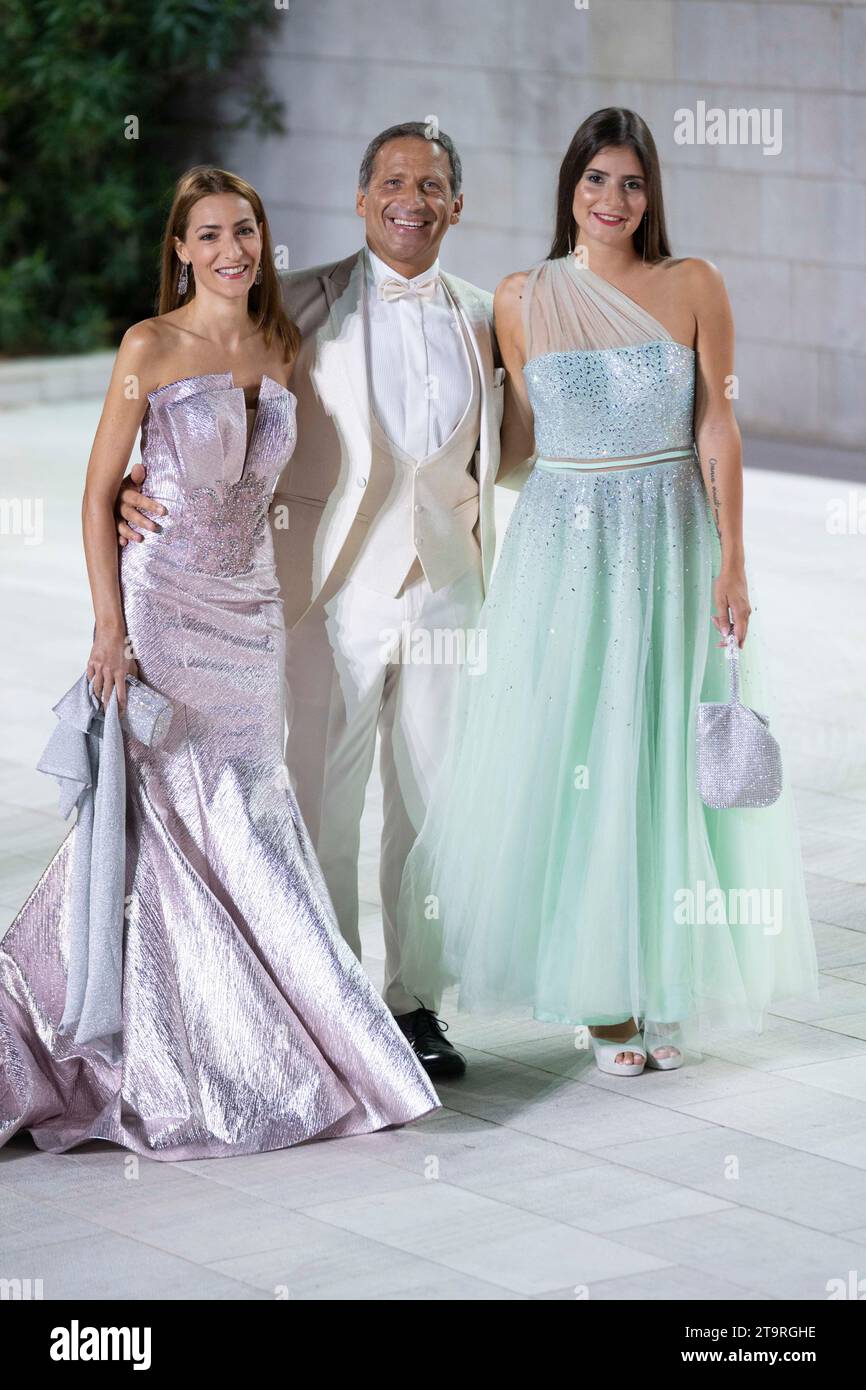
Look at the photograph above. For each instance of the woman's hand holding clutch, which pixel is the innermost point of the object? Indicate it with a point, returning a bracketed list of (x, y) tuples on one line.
[(110, 662)]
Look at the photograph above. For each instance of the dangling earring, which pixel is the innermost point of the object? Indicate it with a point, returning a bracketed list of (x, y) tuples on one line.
[(258, 275), (183, 279), (643, 220), (570, 247)]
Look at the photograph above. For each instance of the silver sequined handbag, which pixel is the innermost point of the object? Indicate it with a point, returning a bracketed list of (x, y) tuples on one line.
[(739, 761), (148, 712)]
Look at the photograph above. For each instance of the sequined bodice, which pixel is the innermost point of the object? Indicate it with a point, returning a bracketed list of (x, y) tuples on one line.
[(612, 402), (216, 484)]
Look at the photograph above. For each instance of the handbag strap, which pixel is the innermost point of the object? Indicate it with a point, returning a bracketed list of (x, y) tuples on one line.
[(733, 654)]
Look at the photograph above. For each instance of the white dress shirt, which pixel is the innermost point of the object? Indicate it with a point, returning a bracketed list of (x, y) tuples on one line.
[(420, 382)]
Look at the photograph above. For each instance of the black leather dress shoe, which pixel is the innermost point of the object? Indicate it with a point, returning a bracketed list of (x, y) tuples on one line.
[(436, 1054)]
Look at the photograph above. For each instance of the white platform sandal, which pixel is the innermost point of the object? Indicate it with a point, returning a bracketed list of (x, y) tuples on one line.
[(659, 1035), (606, 1049)]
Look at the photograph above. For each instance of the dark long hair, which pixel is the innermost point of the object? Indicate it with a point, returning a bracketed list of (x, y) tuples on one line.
[(612, 125), (265, 300)]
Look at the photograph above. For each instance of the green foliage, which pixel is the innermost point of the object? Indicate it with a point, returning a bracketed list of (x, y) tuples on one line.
[(82, 205)]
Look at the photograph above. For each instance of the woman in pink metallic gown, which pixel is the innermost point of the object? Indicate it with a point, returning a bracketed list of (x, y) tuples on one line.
[(247, 1022)]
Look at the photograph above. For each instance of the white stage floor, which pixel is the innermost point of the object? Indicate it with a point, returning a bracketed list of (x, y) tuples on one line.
[(541, 1178)]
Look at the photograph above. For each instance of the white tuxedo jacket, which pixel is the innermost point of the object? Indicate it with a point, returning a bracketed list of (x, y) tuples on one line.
[(323, 484)]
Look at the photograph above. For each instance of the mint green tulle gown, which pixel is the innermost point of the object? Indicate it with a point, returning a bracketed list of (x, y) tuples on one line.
[(566, 862)]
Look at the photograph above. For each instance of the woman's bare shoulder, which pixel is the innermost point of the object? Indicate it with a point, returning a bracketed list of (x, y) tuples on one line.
[(510, 289), (699, 284), (141, 352), (508, 298), (693, 271), (143, 337)]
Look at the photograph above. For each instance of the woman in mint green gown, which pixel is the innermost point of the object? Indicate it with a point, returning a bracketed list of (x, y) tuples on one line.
[(567, 862)]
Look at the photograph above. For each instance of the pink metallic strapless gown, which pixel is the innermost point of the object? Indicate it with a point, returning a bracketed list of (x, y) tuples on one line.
[(248, 1023)]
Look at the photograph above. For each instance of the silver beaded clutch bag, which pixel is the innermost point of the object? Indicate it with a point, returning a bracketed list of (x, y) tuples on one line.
[(148, 712), (739, 761)]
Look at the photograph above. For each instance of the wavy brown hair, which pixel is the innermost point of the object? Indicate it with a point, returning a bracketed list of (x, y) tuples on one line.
[(612, 125), (265, 300)]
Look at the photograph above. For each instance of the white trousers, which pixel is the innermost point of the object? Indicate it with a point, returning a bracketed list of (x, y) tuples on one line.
[(355, 665)]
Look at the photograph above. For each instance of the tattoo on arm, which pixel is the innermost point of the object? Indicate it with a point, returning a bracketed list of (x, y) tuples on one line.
[(715, 496)]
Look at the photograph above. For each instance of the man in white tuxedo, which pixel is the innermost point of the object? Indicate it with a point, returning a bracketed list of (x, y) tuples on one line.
[(383, 527), (389, 498)]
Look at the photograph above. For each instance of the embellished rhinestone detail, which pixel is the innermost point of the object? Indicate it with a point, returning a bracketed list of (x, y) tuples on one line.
[(220, 529), (612, 402)]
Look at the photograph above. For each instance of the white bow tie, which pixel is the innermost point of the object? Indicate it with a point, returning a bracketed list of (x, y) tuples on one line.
[(395, 289)]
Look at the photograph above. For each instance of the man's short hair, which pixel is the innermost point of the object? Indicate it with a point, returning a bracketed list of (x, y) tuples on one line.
[(420, 130)]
